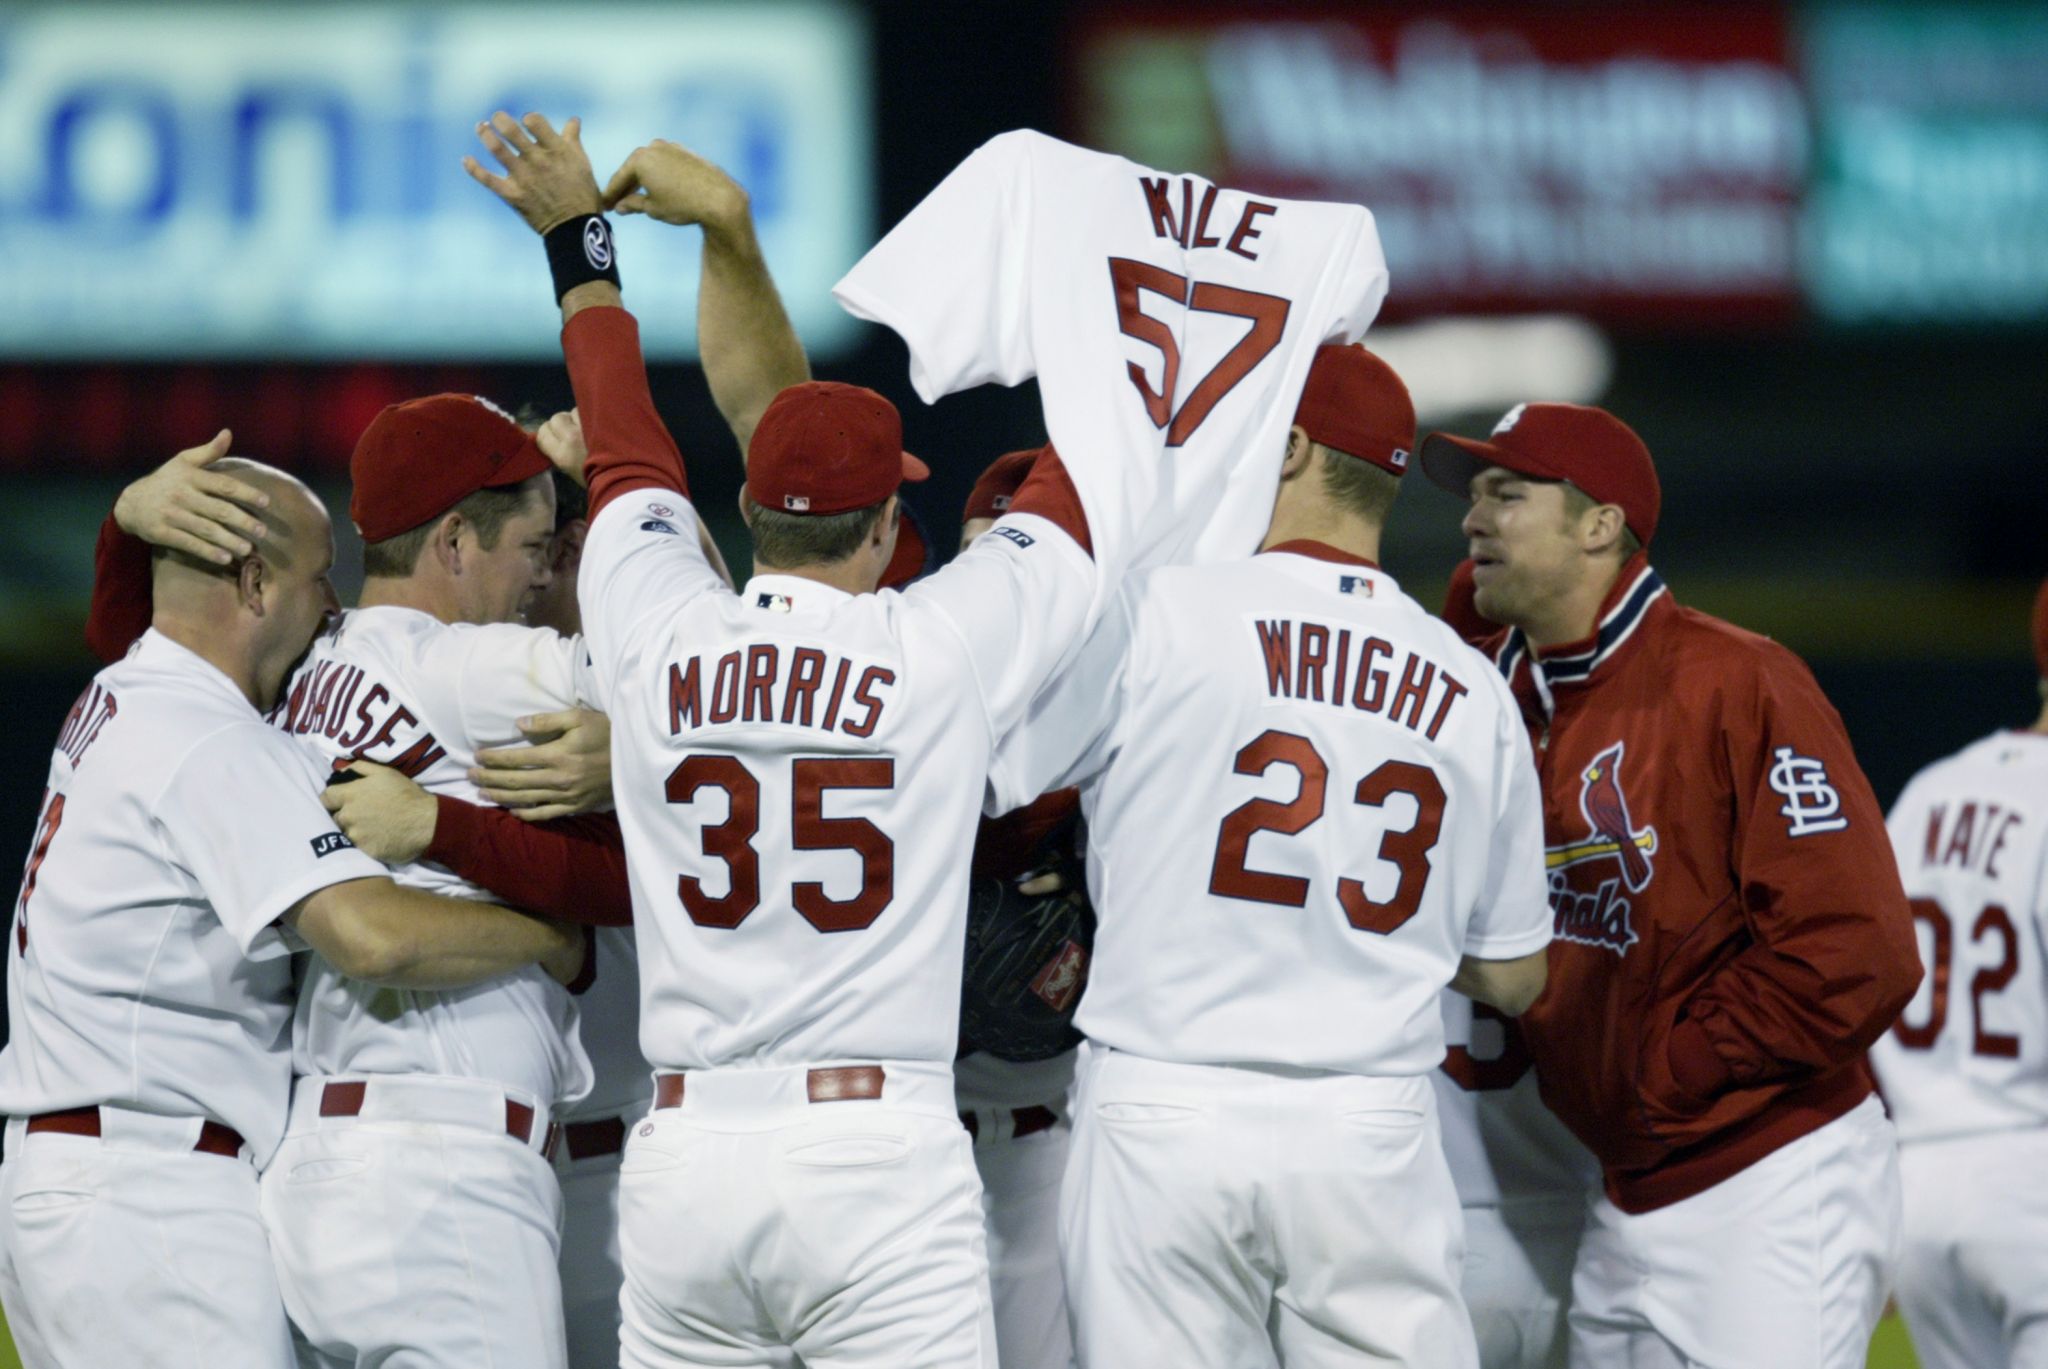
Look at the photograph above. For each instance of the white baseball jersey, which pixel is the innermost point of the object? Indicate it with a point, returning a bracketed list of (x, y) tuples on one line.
[(400, 687), (1150, 306), (1970, 1052), (798, 772), (1306, 799), (1503, 1144), (146, 968), (610, 1030)]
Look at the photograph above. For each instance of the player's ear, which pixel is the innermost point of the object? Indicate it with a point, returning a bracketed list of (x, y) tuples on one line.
[(250, 579), (1299, 454), (1600, 528), (445, 545)]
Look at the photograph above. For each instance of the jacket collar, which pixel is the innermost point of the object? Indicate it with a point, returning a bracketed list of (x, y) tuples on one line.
[(1624, 610)]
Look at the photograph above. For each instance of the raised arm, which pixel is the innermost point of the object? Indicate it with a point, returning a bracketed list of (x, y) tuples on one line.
[(750, 351), (548, 183)]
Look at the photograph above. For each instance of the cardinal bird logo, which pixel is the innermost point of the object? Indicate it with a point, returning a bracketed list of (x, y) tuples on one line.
[(1614, 835)]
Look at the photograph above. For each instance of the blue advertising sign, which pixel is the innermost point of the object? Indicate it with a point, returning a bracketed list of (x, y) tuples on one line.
[(259, 181)]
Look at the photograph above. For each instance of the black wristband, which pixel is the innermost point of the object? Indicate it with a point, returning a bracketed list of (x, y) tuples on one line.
[(579, 252)]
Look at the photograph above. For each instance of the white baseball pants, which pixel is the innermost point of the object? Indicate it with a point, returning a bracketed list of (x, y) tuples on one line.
[(129, 1249), (1020, 1183), (1518, 1280), (762, 1229), (1783, 1266), (417, 1234), (1223, 1216), (1973, 1277)]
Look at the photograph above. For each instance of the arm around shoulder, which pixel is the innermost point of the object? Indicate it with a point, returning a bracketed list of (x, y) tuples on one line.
[(382, 932)]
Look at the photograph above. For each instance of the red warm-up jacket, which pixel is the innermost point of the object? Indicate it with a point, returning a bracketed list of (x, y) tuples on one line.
[(1731, 931)]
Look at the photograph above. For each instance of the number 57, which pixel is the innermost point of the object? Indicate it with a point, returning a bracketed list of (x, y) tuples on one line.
[(1267, 314)]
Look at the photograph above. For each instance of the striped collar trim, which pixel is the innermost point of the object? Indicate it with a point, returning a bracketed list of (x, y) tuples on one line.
[(1628, 607)]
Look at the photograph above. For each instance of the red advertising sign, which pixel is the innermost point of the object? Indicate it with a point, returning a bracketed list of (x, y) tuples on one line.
[(1634, 163)]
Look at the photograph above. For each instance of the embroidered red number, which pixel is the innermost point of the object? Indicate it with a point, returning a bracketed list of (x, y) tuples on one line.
[(1267, 315), (1229, 876), (1489, 1073), (816, 832), (1997, 1045), (1408, 851), (732, 841), (46, 829), (1923, 1036), (1987, 982)]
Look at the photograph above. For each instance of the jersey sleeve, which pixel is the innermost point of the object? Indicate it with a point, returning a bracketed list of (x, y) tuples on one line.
[(241, 815), (1069, 733), (1017, 601), (121, 593), (572, 868), (630, 447), (1513, 916), (950, 279), (484, 678), (1834, 956), (641, 560)]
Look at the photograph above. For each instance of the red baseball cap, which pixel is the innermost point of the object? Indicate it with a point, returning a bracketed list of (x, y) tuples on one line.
[(1353, 402), (2041, 629), (419, 459), (998, 485), (1589, 447), (913, 555), (823, 447)]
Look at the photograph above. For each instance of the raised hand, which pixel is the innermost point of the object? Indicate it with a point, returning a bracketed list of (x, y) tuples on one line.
[(184, 507), (669, 182), (547, 179)]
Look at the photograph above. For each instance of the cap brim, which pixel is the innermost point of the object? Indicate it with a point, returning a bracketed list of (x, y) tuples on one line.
[(1451, 461), (913, 469)]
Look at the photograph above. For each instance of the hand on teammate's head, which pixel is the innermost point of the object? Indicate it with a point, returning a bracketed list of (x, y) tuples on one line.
[(186, 507), (547, 179), (666, 181), (560, 440)]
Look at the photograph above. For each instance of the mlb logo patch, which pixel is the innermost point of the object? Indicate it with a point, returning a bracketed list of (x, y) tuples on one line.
[(327, 843), (1400, 458), (1061, 981), (1001, 502), (1354, 584), (796, 503), (775, 603)]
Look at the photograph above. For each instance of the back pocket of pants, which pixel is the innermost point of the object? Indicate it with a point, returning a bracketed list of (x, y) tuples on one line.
[(851, 1150)]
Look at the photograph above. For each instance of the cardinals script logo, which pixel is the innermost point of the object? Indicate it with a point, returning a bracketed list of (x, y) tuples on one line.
[(1600, 917)]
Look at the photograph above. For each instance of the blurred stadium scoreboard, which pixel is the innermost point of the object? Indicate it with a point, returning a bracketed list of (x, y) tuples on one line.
[(280, 181), (1648, 164)]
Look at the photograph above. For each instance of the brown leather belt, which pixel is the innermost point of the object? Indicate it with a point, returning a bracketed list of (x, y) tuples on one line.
[(214, 1139), (345, 1099), (1027, 1121), (835, 1085), (605, 1136)]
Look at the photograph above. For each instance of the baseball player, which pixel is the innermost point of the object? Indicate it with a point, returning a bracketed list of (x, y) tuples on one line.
[(180, 856), (1523, 1179), (1962, 1067), (1016, 1109), (1731, 936), (1309, 811), (796, 767)]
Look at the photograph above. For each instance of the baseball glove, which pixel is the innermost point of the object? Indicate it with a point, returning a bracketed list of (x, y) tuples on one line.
[(1027, 962)]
